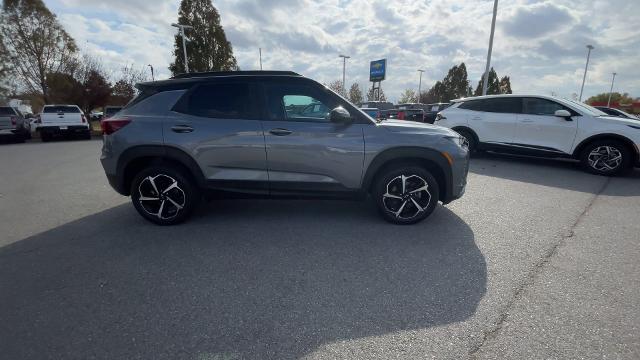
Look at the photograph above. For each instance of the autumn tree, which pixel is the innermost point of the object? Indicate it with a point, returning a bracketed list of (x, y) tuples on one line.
[(35, 44), (121, 93), (616, 97), (371, 96), (355, 94), (336, 86), (208, 48), (408, 96)]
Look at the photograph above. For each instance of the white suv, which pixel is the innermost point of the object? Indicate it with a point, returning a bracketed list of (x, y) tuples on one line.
[(546, 126)]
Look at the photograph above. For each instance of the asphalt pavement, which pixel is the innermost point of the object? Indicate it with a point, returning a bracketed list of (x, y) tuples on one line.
[(537, 260)]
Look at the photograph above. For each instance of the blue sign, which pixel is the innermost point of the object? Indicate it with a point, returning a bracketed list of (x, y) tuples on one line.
[(378, 70)]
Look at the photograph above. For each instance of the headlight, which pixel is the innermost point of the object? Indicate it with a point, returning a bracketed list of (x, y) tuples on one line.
[(460, 141), (439, 117)]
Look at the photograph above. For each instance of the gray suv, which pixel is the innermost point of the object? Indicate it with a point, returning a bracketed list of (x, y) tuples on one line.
[(277, 134)]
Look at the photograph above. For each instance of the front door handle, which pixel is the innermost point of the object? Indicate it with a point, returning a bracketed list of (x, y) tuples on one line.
[(181, 129), (280, 132)]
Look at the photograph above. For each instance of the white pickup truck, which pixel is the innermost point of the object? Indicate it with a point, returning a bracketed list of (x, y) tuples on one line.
[(62, 120)]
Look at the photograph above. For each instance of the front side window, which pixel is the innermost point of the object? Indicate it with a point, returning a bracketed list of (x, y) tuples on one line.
[(219, 100), (505, 105), (298, 103), (537, 106)]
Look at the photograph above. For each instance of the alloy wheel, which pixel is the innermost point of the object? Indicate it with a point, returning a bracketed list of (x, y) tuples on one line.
[(161, 196), (605, 158), (406, 196)]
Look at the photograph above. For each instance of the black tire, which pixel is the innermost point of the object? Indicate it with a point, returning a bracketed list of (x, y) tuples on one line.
[(599, 157), (87, 135), (172, 206), (45, 137), (471, 139), (417, 205)]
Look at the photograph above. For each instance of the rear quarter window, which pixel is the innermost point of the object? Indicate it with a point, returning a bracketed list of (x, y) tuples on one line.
[(218, 100)]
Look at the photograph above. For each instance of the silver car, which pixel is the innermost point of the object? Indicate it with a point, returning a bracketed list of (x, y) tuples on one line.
[(276, 134)]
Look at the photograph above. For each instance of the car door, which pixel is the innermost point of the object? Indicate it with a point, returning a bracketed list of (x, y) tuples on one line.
[(305, 151), (218, 125), (540, 129), (493, 119)]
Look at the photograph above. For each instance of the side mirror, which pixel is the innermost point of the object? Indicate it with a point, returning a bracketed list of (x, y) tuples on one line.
[(563, 114), (339, 115)]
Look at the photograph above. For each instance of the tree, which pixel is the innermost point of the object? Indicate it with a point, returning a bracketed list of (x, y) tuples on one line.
[(355, 94), (438, 93), (336, 86), (208, 49), (456, 83), (35, 43), (96, 92), (505, 85), (371, 96), (493, 86), (121, 93), (64, 88), (615, 98), (408, 96)]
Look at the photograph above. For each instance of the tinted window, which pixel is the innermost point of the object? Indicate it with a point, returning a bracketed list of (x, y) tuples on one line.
[(110, 111), (537, 106), (224, 101), (4, 111), (298, 103), (507, 105), (60, 109)]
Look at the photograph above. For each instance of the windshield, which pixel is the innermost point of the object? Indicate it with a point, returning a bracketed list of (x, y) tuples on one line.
[(590, 110), (60, 109)]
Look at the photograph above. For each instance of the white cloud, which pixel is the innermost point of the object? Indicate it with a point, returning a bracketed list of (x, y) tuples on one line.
[(540, 44)]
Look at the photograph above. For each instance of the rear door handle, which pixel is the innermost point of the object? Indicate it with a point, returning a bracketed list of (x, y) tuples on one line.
[(280, 132), (181, 129)]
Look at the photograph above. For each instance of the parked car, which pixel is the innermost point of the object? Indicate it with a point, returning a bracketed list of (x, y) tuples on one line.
[(616, 112), (62, 120), (408, 115), (546, 126), (109, 111), (373, 112), (432, 110), (231, 132), (13, 123), (380, 105)]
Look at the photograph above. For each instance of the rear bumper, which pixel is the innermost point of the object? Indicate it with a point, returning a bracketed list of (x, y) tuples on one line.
[(64, 129)]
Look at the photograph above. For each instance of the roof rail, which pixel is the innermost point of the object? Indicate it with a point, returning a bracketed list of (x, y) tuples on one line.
[(230, 73)]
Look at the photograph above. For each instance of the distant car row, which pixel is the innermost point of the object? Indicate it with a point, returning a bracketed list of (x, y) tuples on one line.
[(425, 113), (54, 120)]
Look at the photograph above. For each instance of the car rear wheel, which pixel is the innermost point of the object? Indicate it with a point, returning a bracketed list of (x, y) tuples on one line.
[(406, 194), (606, 157), (164, 194)]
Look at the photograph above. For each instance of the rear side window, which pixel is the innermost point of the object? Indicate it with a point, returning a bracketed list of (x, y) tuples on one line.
[(6, 111), (60, 109), (219, 100), (537, 106), (506, 105)]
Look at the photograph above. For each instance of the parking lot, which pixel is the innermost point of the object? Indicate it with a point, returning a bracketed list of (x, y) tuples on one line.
[(537, 260)]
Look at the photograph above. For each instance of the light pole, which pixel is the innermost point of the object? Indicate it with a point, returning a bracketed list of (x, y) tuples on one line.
[(611, 90), (493, 29), (152, 77), (260, 51), (584, 77), (344, 66), (420, 84), (182, 28)]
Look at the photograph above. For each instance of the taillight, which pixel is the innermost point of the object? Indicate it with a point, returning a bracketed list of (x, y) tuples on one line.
[(13, 120), (111, 125), (400, 115), (84, 119)]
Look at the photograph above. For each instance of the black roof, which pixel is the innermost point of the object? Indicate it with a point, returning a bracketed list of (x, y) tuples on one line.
[(183, 79), (233, 73)]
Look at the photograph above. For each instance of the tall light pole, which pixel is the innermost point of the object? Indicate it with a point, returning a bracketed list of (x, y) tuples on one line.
[(260, 51), (182, 28), (584, 77), (611, 90), (493, 29), (344, 66), (152, 77), (420, 84)]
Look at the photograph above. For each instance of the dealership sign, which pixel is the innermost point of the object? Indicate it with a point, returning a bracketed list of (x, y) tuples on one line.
[(378, 70)]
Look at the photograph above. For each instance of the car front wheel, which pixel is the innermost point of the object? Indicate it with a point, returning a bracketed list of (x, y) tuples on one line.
[(606, 157), (164, 195), (406, 194)]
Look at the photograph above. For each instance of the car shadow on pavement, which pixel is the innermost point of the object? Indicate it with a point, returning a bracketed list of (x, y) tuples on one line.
[(243, 279), (563, 174)]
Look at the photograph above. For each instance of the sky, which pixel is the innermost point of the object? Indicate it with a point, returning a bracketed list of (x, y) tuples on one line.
[(541, 45)]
